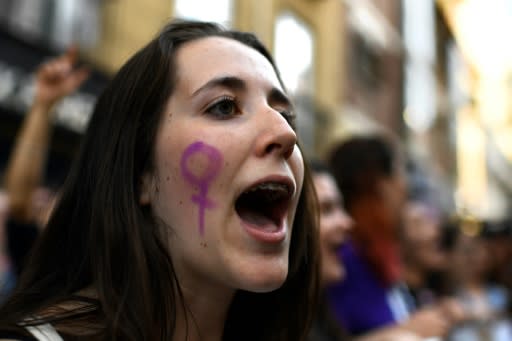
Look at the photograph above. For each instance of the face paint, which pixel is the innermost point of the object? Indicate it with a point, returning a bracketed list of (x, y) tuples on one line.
[(202, 181)]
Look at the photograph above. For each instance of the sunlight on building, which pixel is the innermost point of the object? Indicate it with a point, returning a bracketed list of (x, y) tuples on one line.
[(294, 52), (219, 11)]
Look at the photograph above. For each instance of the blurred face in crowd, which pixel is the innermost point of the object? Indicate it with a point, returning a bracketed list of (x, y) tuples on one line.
[(422, 237), (470, 258), (499, 249), (228, 173), (334, 225)]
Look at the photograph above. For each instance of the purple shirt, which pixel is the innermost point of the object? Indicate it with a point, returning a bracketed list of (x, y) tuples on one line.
[(360, 301)]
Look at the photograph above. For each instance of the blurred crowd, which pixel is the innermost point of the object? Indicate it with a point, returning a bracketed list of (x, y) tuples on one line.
[(25, 200), (412, 270), (395, 264)]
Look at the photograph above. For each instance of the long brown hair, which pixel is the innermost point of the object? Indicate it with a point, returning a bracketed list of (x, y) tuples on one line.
[(99, 237)]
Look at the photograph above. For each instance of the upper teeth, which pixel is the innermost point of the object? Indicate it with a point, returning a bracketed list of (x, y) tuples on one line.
[(269, 186)]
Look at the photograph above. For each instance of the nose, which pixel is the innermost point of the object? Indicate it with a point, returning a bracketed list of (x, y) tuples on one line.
[(277, 136), (345, 222)]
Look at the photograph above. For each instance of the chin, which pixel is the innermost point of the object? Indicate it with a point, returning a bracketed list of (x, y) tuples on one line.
[(265, 279), (333, 276)]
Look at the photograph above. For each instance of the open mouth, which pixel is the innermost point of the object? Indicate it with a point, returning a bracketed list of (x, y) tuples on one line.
[(335, 248), (264, 205)]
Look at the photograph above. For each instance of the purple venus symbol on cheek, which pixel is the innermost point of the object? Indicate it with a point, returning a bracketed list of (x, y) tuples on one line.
[(212, 166)]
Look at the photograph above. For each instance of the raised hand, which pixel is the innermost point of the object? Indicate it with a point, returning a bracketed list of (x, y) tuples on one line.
[(58, 77)]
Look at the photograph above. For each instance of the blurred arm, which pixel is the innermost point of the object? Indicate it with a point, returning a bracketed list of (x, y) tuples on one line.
[(395, 333), (430, 322), (24, 172)]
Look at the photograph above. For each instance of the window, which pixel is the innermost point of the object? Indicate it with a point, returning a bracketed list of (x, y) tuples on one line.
[(293, 51), (219, 11), (59, 22)]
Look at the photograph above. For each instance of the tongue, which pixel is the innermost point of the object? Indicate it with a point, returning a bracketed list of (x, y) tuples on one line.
[(258, 220)]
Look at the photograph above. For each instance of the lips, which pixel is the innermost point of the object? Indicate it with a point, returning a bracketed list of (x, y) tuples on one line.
[(263, 208)]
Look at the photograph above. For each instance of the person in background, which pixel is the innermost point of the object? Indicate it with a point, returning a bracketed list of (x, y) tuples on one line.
[(483, 298), (334, 224), (29, 201), (188, 213), (498, 242), (425, 260), (370, 174), (484, 301)]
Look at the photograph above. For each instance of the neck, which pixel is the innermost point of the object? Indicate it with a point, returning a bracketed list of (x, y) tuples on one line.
[(375, 233), (413, 276), (473, 283), (374, 223), (203, 314)]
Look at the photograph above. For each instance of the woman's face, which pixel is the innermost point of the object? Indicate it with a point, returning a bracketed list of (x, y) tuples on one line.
[(470, 250), (421, 232), (228, 172), (334, 225)]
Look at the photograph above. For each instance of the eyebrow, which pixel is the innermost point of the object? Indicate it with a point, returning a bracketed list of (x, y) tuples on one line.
[(229, 82), (236, 83)]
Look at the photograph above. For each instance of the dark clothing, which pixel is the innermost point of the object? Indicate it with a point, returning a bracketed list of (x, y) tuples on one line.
[(320, 331), (431, 291), (21, 335), (16, 337), (20, 238), (325, 327)]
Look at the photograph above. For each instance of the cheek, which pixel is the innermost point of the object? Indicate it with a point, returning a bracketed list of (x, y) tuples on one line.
[(200, 165), (171, 193), (323, 223), (324, 240), (169, 200), (327, 226), (330, 264)]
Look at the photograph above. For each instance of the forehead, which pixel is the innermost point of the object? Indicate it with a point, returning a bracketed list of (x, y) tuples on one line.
[(325, 186), (200, 60)]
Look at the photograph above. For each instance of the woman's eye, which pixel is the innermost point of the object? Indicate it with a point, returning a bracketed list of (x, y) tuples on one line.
[(223, 108)]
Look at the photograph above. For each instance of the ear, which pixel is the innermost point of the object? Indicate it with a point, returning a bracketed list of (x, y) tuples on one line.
[(145, 187)]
